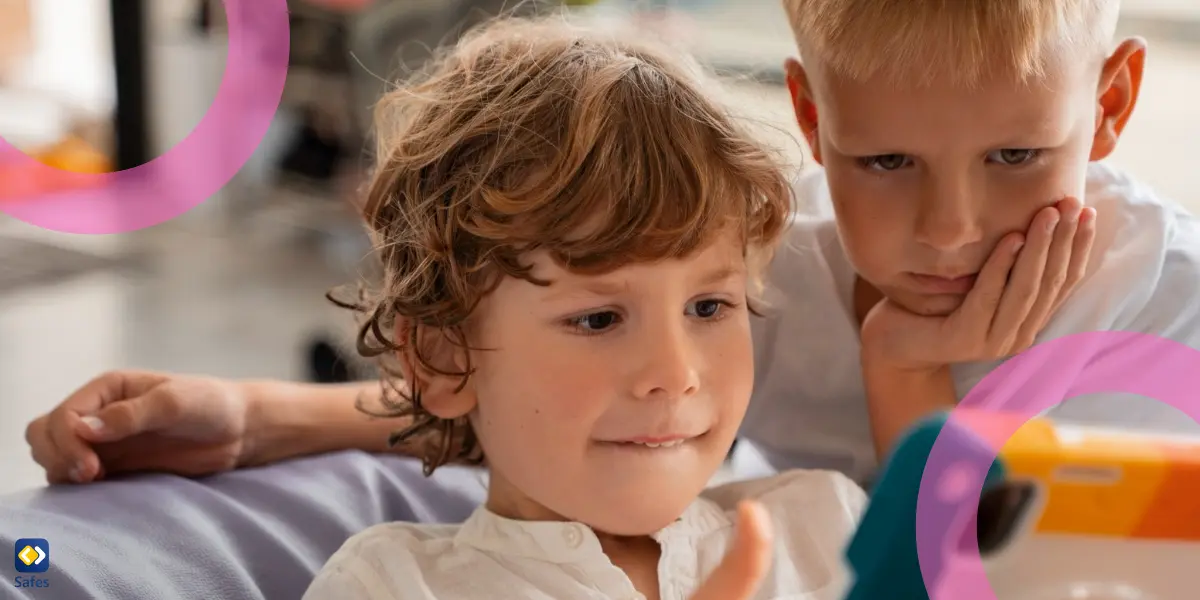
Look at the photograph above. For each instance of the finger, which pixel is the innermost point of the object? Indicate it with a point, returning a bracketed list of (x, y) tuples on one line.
[(143, 414), (42, 449), (1081, 253), (1054, 277), (61, 466), (54, 439), (1024, 284), (74, 458), (108, 388), (115, 422), (99, 393), (982, 301), (746, 563)]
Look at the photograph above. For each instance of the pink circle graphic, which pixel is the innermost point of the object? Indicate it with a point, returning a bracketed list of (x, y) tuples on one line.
[(190, 172), (1020, 389)]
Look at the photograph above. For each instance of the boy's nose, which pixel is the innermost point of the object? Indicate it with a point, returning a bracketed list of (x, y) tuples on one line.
[(948, 221), (668, 367)]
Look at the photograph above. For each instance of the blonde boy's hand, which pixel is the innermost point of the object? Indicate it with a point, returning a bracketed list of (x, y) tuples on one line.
[(741, 572), (128, 421), (1021, 285)]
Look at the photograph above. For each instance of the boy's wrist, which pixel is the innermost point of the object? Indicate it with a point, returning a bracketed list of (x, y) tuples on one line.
[(877, 363), (900, 394), (883, 375), (287, 420), (260, 412)]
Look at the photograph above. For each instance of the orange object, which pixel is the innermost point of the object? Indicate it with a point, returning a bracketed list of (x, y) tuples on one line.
[(73, 161), (1110, 484)]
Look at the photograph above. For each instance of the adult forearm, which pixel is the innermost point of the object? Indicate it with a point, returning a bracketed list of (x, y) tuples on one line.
[(287, 420), (898, 398)]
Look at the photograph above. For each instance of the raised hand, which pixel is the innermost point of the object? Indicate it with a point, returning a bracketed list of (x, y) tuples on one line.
[(741, 572)]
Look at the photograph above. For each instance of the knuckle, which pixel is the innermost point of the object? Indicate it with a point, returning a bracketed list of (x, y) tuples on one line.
[(118, 415), (107, 377), (33, 430)]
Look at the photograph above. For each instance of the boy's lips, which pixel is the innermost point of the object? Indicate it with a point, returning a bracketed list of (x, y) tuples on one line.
[(653, 441), (937, 284)]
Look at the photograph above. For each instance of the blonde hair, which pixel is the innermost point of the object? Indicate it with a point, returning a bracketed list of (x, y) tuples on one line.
[(916, 40), (536, 135)]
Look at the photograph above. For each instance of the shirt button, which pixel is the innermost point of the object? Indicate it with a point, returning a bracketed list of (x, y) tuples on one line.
[(572, 536)]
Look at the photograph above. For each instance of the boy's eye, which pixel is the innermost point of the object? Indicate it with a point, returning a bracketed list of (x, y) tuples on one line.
[(707, 309), (1013, 156), (596, 322), (885, 162)]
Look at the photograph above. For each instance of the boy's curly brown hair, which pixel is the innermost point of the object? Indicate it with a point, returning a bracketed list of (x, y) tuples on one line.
[(538, 135)]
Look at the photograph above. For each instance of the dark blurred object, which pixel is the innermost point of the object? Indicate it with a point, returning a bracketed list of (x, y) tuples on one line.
[(318, 85), (320, 40), (202, 19), (314, 156), (327, 364), (130, 122)]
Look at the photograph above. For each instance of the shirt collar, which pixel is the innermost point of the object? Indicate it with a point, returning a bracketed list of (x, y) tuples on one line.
[(563, 542)]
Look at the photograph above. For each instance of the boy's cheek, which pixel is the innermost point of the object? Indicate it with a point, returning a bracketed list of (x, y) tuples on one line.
[(869, 232)]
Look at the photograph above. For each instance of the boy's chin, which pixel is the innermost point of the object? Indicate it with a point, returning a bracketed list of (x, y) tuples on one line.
[(639, 520), (929, 305)]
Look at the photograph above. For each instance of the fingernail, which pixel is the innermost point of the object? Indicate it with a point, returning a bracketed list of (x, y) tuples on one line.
[(1017, 247), (1052, 223), (76, 474), (93, 423)]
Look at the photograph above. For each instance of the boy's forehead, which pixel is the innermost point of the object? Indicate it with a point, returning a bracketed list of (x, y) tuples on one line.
[(861, 112)]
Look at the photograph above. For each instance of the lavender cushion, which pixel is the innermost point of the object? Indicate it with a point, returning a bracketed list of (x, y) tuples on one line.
[(249, 534)]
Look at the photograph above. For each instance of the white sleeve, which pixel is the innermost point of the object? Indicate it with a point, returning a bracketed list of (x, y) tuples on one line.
[(854, 498), (377, 564), (340, 582), (1172, 311)]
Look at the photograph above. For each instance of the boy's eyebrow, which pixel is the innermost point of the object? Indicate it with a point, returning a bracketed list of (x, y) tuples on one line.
[(722, 274), (601, 287), (587, 285)]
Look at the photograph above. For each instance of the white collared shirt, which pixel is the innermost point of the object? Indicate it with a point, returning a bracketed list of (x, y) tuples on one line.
[(814, 513)]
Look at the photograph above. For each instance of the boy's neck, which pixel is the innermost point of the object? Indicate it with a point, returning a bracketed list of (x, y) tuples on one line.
[(637, 556)]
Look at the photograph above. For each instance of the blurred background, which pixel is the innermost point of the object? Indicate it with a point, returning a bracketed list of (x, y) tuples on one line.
[(236, 287)]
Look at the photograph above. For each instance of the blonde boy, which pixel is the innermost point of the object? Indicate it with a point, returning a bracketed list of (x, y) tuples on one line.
[(948, 132)]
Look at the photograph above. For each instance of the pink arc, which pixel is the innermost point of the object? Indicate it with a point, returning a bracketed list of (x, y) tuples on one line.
[(195, 169), (1020, 389)]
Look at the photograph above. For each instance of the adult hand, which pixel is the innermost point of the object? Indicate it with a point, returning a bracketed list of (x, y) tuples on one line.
[(127, 421)]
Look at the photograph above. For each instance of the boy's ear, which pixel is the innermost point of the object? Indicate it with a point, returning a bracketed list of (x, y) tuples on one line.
[(804, 104), (1120, 83), (438, 378)]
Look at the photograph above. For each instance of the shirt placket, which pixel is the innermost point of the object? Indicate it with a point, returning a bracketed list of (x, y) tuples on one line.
[(677, 566), (595, 567)]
